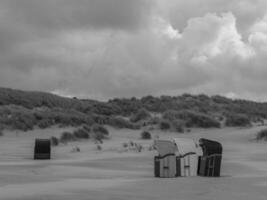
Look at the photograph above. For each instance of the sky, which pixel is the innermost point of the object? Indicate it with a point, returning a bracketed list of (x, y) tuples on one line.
[(102, 49)]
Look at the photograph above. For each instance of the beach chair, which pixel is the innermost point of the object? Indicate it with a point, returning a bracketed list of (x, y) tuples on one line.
[(42, 149), (186, 157), (210, 162), (165, 163)]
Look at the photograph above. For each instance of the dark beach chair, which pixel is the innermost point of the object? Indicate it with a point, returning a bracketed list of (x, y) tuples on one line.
[(210, 162), (42, 149)]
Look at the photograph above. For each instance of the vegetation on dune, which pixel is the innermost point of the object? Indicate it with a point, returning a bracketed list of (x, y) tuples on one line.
[(262, 135), (164, 125), (26, 110), (154, 120), (141, 114), (119, 122), (98, 147), (106, 109), (68, 117), (30, 100), (234, 119), (45, 123), (178, 125), (82, 133), (191, 118), (145, 135), (18, 117), (96, 132), (99, 132), (67, 137), (127, 106), (132, 146), (100, 119), (54, 141)]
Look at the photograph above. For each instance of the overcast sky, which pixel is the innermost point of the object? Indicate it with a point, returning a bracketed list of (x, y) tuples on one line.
[(102, 49)]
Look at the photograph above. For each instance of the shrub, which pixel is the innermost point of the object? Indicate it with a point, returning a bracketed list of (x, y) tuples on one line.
[(81, 133), (67, 117), (154, 120), (203, 121), (119, 122), (19, 125), (141, 114), (178, 125), (16, 117), (131, 143), (76, 149), (99, 147), (100, 119), (139, 147), (29, 120), (54, 141), (171, 115), (100, 129), (164, 125), (125, 145), (45, 123), (67, 137), (145, 135), (87, 128), (100, 132), (221, 118), (106, 109), (262, 135), (191, 118), (194, 119), (233, 119)]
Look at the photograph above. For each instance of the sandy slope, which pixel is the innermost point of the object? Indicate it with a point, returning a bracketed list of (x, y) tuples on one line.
[(113, 174)]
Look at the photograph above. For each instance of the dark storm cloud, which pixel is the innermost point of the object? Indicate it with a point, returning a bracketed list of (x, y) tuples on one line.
[(29, 24), (52, 15)]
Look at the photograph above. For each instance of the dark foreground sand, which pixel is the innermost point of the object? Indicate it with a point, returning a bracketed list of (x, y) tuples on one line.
[(113, 174)]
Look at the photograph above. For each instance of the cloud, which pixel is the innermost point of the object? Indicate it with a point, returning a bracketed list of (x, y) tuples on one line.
[(211, 36), (122, 48), (246, 11)]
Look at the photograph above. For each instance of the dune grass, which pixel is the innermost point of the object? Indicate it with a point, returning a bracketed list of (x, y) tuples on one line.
[(262, 135)]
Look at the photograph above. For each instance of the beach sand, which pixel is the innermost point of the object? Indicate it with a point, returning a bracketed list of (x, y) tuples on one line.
[(113, 173)]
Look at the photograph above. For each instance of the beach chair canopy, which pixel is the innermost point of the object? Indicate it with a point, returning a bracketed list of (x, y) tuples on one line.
[(164, 147), (185, 146), (210, 147)]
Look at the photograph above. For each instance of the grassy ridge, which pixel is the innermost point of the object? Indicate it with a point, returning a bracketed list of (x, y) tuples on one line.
[(24, 110)]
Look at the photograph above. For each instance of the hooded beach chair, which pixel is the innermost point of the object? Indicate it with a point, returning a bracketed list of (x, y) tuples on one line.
[(42, 149), (210, 162), (164, 163), (186, 157)]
